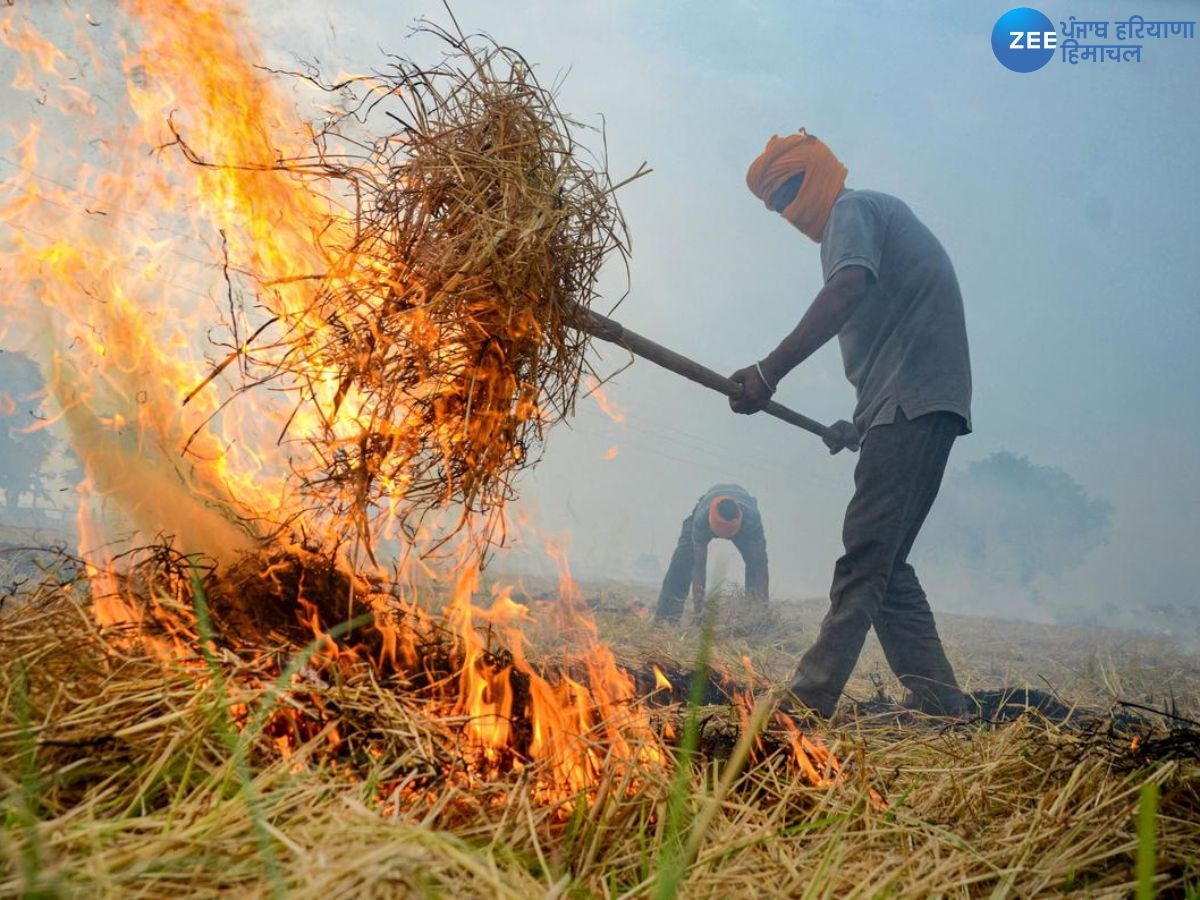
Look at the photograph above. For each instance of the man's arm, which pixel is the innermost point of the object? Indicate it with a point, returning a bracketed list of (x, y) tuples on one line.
[(755, 558), (830, 310), (699, 574)]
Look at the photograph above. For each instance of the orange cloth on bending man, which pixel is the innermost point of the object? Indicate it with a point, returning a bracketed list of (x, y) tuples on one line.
[(719, 525), (824, 178)]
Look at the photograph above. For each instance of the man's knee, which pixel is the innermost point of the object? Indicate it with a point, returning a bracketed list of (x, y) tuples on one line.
[(860, 581), (904, 589)]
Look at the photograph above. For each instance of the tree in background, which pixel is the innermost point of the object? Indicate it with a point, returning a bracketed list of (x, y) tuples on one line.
[(22, 451), (1013, 521)]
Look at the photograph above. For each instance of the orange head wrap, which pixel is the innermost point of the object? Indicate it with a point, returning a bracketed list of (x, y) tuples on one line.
[(824, 178), (718, 524)]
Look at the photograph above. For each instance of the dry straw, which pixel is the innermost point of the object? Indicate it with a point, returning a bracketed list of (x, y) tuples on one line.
[(123, 773), (474, 231)]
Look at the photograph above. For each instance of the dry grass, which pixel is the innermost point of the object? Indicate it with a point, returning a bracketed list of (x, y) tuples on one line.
[(125, 774)]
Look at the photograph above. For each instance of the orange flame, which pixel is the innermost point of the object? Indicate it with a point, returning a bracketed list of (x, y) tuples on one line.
[(609, 408), (114, 245), (582, 718), (661, 683)]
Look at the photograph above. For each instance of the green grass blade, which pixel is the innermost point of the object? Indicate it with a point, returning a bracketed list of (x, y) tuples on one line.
[(1147, 851), (672, 861)]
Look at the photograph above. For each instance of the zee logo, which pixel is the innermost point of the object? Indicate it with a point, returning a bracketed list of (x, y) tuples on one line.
[(1024, 40), (1034, 40)]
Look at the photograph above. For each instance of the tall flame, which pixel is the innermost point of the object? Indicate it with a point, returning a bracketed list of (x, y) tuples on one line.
[(123, 254)]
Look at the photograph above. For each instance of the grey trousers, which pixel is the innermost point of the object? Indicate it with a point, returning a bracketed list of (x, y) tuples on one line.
[(899, 471)]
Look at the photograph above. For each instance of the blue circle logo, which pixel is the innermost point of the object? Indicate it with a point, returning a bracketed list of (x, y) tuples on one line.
[(1023, 39)]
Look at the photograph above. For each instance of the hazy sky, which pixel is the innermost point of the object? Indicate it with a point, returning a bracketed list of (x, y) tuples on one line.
[(1068, 200)]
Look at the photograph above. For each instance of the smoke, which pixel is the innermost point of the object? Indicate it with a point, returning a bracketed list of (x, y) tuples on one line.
[(1005, 526), (138, 480), (24, 446)]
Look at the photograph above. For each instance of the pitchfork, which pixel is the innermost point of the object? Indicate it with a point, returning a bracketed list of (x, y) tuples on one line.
[(606, 329)]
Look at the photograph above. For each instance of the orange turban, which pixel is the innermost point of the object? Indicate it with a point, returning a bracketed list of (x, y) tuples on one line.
[(718, 524), (824, 178)]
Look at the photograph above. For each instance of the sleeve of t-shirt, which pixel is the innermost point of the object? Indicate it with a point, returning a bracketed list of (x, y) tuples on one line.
[(854, 236), (701, 532)]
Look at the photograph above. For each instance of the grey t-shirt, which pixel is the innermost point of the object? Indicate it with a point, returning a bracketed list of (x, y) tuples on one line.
[(906, 344), (752, 527)]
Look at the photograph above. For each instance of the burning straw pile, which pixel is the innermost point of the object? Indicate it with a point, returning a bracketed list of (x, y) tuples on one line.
[(189, 701), (440, 344)]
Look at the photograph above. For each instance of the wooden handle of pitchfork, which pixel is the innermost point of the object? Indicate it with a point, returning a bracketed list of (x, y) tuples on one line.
[(606, 329)]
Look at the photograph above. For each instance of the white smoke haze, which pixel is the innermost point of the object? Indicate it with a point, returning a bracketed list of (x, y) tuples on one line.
[(1004, 531)]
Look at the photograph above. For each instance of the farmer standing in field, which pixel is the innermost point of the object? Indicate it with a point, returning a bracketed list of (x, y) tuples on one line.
[(892, 298), (725, 511)]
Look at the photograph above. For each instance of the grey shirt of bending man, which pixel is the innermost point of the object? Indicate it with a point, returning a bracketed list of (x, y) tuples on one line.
[(892, 298)]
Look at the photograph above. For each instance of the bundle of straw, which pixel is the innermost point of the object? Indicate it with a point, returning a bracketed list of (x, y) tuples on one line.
[(479, 230)]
